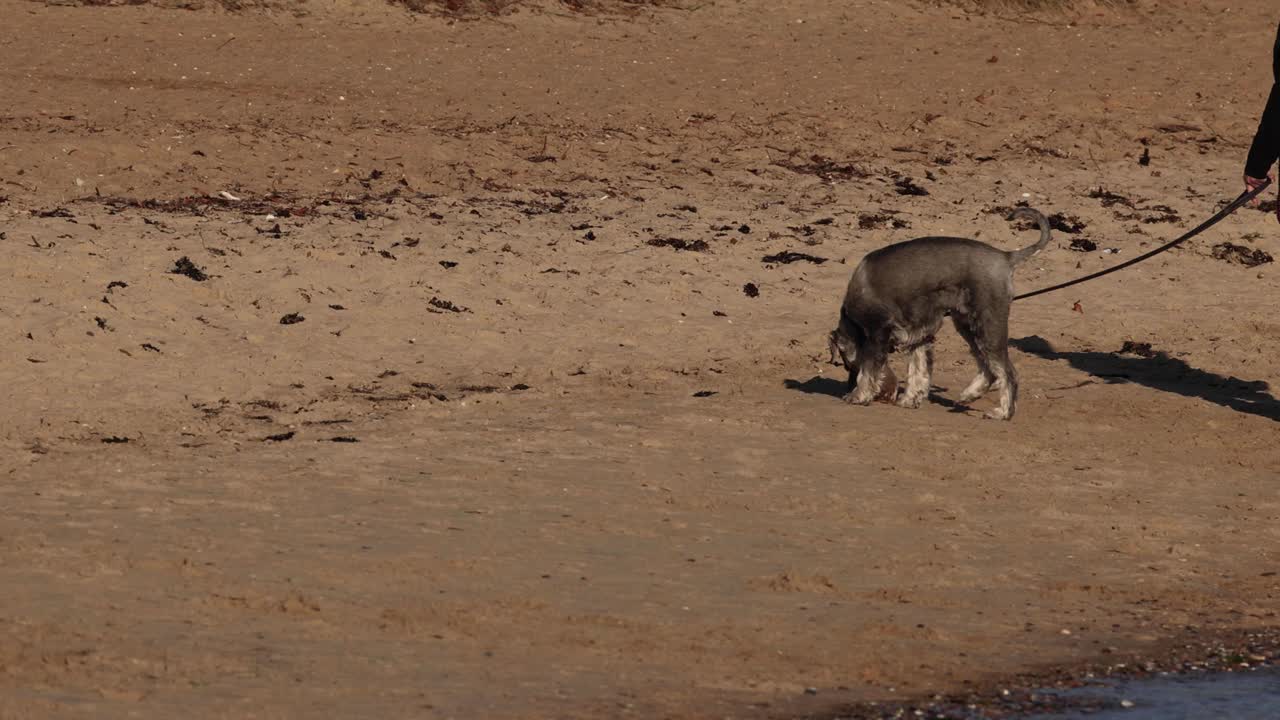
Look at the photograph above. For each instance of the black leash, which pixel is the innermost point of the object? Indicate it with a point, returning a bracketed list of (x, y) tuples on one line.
[(1235, 205)]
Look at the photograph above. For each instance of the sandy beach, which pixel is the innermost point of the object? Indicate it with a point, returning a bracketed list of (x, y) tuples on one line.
[(375, 363)]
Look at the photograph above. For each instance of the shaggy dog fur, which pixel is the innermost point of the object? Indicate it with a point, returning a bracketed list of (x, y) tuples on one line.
[(897, 299)]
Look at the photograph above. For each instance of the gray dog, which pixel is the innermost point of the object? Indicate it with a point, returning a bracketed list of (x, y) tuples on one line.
[(897, 299)]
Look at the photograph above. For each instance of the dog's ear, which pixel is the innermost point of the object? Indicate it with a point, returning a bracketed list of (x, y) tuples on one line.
[(833, 347)]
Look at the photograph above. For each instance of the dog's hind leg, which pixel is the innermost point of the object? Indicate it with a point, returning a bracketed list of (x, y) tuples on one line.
[(992, 336), (985, 380), (919, 377), (1007, 378), (980, 386)]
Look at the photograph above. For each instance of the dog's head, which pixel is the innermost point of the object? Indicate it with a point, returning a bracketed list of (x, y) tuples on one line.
[(842, 343), (841, 348)]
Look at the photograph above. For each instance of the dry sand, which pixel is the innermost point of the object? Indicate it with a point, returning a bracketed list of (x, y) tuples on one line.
[(538, 518)]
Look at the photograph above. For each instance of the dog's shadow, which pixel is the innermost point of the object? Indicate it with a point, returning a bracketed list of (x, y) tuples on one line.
[(1162, 372), (818, 385), (1159, 371)]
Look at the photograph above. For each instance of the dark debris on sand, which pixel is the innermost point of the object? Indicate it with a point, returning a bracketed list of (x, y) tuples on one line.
[(426, 390), (790, 256), (805, 232), (823, 167), (58, 212), (907, 186), (1141, 349), (881, 220), (1061, 222), (1160, 214), (184, 266), (1069, 224), (1241, 255), (680, 244), (1110, 199), (439, 305)]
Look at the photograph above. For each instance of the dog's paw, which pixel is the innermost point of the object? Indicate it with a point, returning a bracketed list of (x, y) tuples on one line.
[(911, 402), (854, 398), (997, 414), (977, 389)]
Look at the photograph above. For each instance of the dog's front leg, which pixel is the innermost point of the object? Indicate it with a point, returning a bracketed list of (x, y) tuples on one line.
[(871, 376)]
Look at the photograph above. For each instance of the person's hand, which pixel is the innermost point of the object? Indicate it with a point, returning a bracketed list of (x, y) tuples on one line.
[(1253, 183)]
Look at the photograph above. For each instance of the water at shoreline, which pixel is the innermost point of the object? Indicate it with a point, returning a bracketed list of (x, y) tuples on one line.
[(1242, 695)]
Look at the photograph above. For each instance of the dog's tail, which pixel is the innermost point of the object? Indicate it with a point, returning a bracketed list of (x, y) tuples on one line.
[(1018, 256)]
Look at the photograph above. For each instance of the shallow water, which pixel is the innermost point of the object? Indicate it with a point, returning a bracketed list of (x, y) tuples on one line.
[(1211, 696)]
